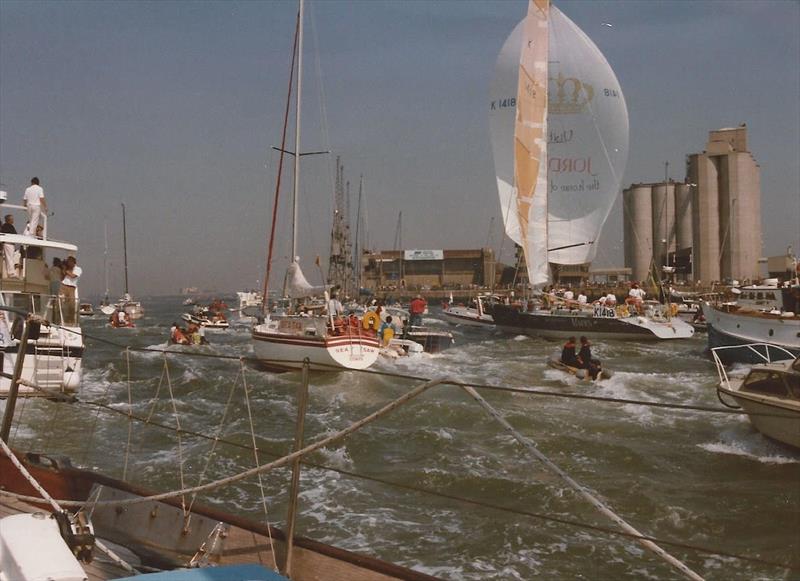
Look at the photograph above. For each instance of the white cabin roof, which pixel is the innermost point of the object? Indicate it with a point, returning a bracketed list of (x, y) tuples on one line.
[(34, 241)]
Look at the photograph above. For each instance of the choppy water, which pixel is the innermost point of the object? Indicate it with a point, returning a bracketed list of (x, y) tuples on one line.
[(688, 476)]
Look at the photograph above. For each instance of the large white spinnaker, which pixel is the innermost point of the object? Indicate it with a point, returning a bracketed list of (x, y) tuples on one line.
[(587, 137)]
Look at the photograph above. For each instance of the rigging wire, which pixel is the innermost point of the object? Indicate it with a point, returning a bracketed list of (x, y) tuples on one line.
[(426, 490), (479, 386)]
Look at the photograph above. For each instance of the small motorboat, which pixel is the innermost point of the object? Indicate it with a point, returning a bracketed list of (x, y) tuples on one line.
[(203, 320), (582, 374), (86, 310), (769, 393), (119, 319), (401, 348)]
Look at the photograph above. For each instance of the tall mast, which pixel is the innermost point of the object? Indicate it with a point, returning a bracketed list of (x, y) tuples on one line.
[(105, 258), (125, 247), (298, 96)]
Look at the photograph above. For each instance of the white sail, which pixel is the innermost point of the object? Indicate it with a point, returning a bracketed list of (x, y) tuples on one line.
[(587, 137), (297, 286)]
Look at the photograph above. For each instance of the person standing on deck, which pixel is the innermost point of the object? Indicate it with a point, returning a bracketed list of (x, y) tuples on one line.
[(9, 249), (35, 202), (69, 287), (386, 332), (636, 297), (416, 309)]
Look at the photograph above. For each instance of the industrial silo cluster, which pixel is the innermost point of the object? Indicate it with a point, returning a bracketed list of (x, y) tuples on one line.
[(707, 228), (658, 224)]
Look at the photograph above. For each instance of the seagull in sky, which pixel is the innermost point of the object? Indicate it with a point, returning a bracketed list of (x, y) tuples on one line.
[(608, 24)]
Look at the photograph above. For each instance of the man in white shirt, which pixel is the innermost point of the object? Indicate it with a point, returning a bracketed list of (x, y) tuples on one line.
[(636, 297), (34, 200), (582, 299), (69, 288)]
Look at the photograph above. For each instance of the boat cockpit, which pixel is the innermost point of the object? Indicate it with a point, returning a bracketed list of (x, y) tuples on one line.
[(774, 382)]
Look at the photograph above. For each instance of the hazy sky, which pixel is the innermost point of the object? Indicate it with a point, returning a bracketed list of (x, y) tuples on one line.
[(173, 108)]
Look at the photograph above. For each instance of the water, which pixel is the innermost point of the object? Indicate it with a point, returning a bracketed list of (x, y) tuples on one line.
[(688, 476)]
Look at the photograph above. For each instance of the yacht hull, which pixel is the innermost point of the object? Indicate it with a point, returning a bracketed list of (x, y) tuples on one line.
[(284, 350), (557, 326), (468, 317), (777, 422), (736, 328)]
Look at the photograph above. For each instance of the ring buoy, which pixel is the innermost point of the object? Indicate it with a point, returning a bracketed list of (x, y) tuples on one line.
[(371, 320)]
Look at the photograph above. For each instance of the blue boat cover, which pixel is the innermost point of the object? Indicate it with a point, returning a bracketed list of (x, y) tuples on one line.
[(228, 573)]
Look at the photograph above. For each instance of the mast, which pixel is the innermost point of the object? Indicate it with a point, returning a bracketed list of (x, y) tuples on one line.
[(125, 247), (298, 95), (357, 243), (340, 259), (105, 259)]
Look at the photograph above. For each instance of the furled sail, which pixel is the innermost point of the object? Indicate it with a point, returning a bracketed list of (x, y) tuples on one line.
[(297, 286), (587, 135)]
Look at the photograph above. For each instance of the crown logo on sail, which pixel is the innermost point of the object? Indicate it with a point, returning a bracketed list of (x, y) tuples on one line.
[(571, 95)]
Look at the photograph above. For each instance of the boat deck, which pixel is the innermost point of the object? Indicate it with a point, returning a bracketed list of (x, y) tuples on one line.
[(101, 569)]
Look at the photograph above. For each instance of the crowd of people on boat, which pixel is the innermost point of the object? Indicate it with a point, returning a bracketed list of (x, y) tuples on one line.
[(565, 296), (193, 334), (374, 320)]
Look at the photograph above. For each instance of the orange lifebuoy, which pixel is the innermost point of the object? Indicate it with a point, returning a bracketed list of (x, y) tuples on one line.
[(371, 320)]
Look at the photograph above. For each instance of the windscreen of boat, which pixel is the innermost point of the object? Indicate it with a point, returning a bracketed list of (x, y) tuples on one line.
[(793, 383), (765, 382)]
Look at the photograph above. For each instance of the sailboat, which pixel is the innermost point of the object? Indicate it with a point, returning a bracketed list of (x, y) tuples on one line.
[(132, 308), (560, 146), (284, 341)]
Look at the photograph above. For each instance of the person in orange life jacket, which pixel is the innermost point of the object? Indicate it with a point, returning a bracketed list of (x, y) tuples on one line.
[(568, 356)]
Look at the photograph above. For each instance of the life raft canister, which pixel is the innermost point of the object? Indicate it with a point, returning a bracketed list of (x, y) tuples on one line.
[(371, 320)]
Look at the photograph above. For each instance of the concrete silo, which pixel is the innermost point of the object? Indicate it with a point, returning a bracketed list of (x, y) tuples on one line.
[(638, 212), (663, 197), (683, 216)]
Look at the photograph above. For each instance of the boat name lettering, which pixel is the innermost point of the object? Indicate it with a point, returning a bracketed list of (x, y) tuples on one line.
[(604, 312), (610, 92), (581, 322)]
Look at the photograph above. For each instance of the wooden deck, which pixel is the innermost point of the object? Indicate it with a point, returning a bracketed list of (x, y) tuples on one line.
[(101, 569)]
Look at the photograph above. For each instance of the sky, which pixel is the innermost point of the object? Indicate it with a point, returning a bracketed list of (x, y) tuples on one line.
[(173, 109)]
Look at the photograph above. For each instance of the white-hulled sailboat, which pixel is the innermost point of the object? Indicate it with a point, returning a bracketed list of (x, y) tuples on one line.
[(568, 126), (132, 308), (285, 341)]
